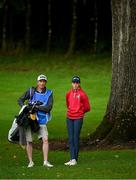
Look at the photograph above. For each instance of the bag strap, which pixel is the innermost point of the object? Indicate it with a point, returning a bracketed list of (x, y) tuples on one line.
[(32, 91)]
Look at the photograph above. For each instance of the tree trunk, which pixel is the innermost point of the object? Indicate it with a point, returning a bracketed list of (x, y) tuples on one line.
[(73, 30), (11, 44), (4, 29), (95, 27), (27, 36), (119, 122), (49, 27)]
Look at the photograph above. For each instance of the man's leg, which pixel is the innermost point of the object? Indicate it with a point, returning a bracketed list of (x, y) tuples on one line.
[(29, 148), (45, 148), (43, 133)]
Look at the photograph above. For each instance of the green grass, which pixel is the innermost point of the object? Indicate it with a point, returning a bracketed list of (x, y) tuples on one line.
[(92, 165), (17, 74)]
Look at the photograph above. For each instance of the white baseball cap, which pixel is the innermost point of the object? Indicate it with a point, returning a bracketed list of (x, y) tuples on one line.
[(41, 77)]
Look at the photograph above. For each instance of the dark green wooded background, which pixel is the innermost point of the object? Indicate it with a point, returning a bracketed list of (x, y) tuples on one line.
[(54, 25)]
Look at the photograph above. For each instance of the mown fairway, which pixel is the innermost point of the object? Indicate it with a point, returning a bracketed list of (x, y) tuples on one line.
[(17, 74)]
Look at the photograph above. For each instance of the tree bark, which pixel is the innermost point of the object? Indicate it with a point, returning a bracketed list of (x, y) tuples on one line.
[(119, 122), (11, 44), (95, 26), (73, 30), (27, 36), (4, 29), (49, 27)]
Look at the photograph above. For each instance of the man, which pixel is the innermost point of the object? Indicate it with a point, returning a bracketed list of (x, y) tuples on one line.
[(77, 105), (45, 96)]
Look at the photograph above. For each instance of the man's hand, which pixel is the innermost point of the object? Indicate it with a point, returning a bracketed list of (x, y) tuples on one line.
[(36, 108)]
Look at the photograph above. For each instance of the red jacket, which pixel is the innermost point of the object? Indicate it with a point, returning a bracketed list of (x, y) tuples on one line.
[(77, 103)]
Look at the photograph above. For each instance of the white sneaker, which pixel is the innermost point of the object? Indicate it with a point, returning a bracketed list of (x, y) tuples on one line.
[(67, 163), (31, 164), (73, 162), (47, 164)]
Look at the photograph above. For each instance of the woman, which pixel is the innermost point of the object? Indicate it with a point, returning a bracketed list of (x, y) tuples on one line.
[(77, 105)]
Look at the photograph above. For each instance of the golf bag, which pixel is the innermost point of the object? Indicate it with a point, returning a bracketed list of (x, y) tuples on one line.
[(23, 121), (14, 132)]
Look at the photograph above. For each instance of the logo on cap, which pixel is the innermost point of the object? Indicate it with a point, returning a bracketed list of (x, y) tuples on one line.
[(42, 77), (76, 79)]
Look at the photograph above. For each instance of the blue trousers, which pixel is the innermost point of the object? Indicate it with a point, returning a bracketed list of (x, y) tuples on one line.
[(74, 129)]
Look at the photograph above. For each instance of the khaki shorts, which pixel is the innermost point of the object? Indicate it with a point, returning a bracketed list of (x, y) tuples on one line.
[(42, 133)]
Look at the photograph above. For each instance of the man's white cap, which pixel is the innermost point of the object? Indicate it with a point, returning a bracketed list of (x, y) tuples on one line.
[(41, 77)]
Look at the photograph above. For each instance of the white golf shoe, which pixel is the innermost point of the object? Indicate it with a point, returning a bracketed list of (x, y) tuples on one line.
[(67, 163), (31, 164), (72, 162), (47, 164)]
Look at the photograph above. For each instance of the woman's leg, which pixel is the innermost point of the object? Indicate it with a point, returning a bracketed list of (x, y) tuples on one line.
[(77, 129), (70, 127)]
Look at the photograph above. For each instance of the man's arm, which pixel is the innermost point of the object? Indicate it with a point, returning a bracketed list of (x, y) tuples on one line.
[(48, 107), (24, 97)]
